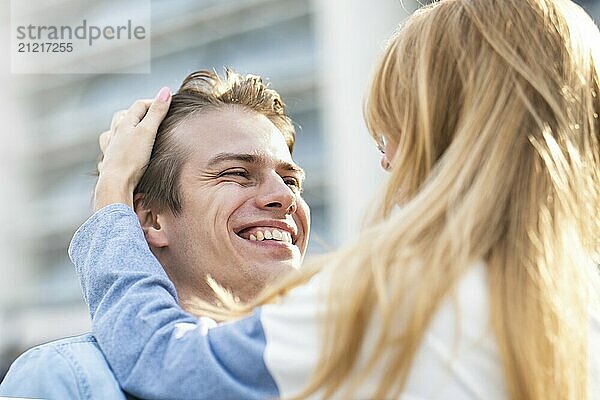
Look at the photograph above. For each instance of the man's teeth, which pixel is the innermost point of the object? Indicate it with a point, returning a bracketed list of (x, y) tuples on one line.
[(272, 235)]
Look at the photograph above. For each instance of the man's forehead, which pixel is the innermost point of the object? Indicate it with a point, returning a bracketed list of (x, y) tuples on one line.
[(232, 131)]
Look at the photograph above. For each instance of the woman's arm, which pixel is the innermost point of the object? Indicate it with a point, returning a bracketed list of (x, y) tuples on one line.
[(155, 349)]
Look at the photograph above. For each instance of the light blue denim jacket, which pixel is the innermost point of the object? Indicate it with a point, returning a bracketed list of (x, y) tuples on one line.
[(71, 368), (157, 350)]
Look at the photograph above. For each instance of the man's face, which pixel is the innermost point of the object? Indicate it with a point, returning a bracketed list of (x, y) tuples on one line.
[(243, 221)]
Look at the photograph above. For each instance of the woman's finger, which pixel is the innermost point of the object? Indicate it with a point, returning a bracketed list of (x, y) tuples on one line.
[(104, 140), (135, 113), (148, 126), (117, 117)]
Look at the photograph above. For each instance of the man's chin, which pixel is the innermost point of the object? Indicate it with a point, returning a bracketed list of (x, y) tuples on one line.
[(271, 266)]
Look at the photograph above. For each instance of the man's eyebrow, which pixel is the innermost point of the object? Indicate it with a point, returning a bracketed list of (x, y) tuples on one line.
[(258, 159)]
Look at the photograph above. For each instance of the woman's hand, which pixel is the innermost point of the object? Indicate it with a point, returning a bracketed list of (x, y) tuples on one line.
[(127, 147)]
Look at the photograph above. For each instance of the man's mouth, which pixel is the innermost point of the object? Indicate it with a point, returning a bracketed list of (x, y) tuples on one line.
[(269, 231), (260, 234)]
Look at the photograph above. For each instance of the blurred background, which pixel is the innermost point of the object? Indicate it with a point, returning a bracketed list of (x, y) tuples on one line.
[(317, 53)]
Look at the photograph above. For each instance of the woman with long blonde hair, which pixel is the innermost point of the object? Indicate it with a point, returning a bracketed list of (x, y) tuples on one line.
[(477, 278)]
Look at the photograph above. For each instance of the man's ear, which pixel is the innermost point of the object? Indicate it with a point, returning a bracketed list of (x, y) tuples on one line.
[(150, 221)]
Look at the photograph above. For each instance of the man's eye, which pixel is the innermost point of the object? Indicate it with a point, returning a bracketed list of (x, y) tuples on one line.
[(293, 182), (235, 172)]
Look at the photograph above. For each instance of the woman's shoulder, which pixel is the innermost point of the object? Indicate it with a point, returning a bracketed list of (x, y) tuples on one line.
[(459, 351)]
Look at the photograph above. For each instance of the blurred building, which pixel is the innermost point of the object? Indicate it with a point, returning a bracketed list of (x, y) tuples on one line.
[(592, 7), (318, 54)]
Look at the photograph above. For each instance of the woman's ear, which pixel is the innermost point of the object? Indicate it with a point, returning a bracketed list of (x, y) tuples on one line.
[(150, 220)]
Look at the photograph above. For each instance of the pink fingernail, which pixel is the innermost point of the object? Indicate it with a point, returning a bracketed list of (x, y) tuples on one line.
[(164, 94)]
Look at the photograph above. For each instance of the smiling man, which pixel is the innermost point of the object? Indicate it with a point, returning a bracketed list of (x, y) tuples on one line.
[(221, 197), (233, 180)]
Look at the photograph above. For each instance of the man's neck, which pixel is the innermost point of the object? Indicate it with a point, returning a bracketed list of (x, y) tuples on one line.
[(189, 297)]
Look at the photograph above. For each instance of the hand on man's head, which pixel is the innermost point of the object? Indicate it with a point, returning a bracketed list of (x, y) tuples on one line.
[(126, 149)]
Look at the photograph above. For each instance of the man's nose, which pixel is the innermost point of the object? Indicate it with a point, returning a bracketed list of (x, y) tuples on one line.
[(276, 195)]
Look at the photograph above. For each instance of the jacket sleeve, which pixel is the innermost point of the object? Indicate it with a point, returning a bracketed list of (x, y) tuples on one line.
[(155, 349), (43, 373)]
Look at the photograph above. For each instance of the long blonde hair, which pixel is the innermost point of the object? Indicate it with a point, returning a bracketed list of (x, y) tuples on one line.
[(493, 107)]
